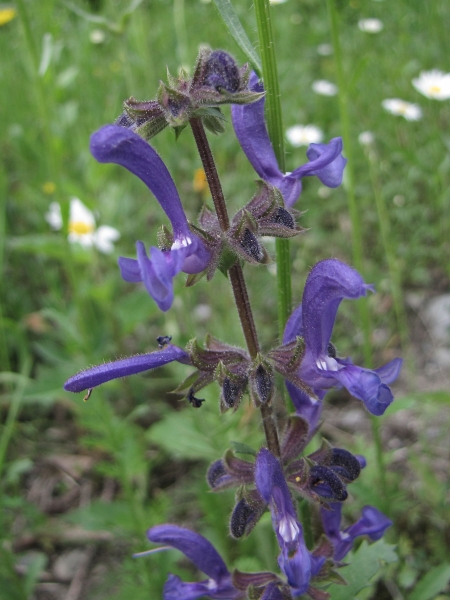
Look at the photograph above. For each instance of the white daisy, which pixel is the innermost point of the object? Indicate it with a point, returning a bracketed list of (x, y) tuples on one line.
[(324, 87), (303, 135), (411, 112), (366, 138), (325, 49), (82, 228), (370, 25), (97, 36), (433, 84)]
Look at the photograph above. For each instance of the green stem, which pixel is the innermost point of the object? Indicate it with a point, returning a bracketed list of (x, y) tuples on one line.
[(357, 243), (275, 129), (13, 411), (387, 239)]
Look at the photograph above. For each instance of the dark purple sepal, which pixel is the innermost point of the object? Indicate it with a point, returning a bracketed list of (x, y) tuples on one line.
[(246, 513), (295, 438), (95, 376)]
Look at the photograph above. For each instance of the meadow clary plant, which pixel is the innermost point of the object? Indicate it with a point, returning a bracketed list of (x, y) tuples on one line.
[(272, 478)]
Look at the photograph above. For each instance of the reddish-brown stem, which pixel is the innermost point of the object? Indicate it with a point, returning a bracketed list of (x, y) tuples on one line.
[(235, 272)]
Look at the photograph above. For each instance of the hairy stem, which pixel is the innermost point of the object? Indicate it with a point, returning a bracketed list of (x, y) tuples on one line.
[(236, 274)]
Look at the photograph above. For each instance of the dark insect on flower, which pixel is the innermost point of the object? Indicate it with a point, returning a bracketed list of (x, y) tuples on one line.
[(196, 402), (163, 340), (331, 350)]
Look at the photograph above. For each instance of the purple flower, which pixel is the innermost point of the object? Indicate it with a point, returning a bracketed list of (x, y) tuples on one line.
[(205, 557), (329, 282), (114, 144), (326, 160), (294, 560), (372, 523), (94, 376)]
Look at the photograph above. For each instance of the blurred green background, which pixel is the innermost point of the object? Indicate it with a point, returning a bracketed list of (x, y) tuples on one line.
[(81, 482)]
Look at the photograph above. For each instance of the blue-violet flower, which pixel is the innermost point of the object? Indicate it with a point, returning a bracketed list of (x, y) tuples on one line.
[(326, 160), (95, 376), (329, 282), (205, 557), (372, 523), (295, 561), (114, 144)]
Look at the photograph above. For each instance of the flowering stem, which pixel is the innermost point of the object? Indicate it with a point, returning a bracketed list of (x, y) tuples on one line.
[(235, 272), (357, 245), (275, 130)]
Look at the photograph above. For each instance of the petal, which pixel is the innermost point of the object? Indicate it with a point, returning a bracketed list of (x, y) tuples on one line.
[(305, 406), (328, 283), (331, 520), (197, 548), (250, 128), (114, 144), (367, 386), (389, 372), (294, 326), (104, 237), (297, 568), (326, 162), (90, 378), (176, 589)]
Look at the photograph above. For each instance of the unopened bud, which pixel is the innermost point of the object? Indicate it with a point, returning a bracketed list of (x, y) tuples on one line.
[(251, 246), (215, 473), (326, 483), (221, 72), (283, 217), (345, 464)]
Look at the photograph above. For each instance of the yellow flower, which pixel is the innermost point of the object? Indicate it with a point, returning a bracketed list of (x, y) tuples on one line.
[(49, 188), (200, 183), (6, 15)]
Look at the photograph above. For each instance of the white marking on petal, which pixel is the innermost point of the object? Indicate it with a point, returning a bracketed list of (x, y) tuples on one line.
[(288, 529)]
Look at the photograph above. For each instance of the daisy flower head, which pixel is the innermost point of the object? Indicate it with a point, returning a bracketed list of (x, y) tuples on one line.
[(370, 25), (433, 84), (82, 229), (366, 138), (303, 135), (411, 112), (324, 87)]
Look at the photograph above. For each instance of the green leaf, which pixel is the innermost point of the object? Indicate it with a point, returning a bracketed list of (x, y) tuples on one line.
[(365, 564), (432, 583), (240, 448), (237, 32)]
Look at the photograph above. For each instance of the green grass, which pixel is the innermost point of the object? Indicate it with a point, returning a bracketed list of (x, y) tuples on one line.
[(63, 308)]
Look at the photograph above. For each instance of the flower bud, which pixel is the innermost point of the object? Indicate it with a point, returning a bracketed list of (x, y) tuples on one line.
[(325, 483), (221, 72)]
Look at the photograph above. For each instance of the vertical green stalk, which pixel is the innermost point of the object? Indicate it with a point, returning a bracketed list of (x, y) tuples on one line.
[(387, 239), (357, 243), (16, 401), (179, 21), (275, 129)]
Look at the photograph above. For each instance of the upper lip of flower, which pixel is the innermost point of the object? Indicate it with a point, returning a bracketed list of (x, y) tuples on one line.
[(329, 282), (188, 253)]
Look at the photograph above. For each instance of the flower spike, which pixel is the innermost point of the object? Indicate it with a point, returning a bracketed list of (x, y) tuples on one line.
[(326, 160), (329, 282), (114, 144)]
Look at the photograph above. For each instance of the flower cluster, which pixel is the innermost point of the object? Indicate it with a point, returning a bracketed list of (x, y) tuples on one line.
[(307, 359)]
